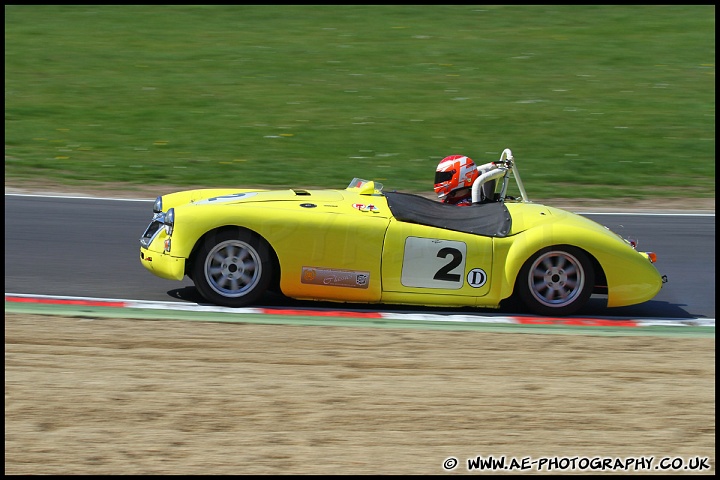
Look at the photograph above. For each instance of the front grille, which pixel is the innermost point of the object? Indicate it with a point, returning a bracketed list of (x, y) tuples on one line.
[(152, 230)]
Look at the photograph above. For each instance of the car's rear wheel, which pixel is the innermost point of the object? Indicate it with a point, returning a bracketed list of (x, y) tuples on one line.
[(233, 267), (556, 280)]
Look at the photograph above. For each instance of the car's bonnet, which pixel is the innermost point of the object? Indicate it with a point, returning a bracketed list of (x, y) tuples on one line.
[(228, 196)]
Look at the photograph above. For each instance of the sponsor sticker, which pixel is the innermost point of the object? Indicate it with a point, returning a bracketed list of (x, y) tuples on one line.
[(335, 278), (365, 208)]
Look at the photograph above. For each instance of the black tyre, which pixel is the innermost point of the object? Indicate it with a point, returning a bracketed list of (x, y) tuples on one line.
[(556, 280), (233, 267)]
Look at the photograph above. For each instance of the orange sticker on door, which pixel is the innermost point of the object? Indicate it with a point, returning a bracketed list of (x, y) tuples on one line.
[(335, 278)]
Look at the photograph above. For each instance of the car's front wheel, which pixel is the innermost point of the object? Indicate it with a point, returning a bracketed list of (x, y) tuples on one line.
[(232, 268), (556, 280)]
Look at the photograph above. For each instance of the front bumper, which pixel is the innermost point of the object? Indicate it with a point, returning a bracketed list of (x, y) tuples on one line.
[(154, 248), (163, 265)]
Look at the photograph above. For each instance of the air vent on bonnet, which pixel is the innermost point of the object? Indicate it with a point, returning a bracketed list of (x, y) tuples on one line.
[(301, 192)]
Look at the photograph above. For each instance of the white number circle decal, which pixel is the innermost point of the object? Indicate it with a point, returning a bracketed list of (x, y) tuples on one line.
[(476, 277)]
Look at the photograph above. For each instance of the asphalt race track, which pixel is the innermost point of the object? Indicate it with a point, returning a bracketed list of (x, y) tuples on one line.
[(89, 247)]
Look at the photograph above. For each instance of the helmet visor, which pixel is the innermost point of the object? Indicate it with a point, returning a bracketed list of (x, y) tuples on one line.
[(443, 176)]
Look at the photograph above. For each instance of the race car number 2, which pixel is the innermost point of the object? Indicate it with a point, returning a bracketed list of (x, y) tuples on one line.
[(433, 263)]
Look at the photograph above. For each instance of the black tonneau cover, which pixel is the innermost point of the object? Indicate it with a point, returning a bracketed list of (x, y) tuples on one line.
[(487, 219)]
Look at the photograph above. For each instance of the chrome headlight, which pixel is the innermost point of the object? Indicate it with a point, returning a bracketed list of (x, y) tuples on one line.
[(157, 206), (169, 221)]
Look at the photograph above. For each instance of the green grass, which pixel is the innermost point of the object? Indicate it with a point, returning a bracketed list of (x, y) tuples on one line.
[(594, 101)]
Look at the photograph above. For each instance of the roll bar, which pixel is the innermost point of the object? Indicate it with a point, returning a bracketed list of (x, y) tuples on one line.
[(493, 174), (503, 168)]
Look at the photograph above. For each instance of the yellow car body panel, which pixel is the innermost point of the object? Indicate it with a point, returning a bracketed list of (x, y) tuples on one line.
[(630, 275), (421, 261), (163, 265), (341, 232)]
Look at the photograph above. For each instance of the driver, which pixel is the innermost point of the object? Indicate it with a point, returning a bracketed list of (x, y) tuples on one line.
[(454, 177)]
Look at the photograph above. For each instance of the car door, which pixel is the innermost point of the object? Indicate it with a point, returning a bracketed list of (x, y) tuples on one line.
[(443, 266), (328, 250)]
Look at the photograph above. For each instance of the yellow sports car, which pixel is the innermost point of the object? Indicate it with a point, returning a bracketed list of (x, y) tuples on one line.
[(362, 245)]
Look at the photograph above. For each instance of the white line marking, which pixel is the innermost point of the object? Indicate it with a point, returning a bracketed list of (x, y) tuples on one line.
[(80, 197)]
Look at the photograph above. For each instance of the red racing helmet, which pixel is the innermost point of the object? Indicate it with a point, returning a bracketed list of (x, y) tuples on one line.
[(454, 172)]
